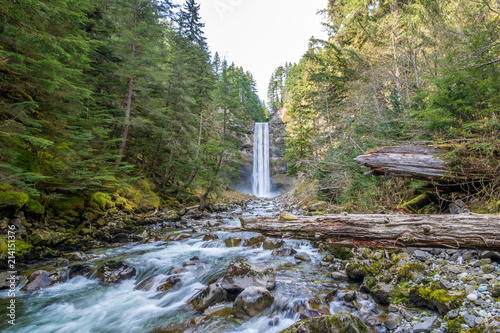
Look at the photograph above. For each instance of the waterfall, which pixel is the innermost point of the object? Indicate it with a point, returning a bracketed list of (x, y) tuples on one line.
[(261, 177)]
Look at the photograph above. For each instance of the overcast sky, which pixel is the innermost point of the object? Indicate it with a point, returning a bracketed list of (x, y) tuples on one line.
[(260, 35)]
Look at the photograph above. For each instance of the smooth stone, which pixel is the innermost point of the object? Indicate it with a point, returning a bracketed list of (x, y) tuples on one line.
[(303, 256), (472, 297), (426, 325)]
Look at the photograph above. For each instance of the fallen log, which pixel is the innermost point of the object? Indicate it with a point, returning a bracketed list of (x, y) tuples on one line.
[(462, 231), (419, 162)]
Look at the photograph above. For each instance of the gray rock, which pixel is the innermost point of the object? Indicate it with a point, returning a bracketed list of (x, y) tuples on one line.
[(339, 276), (392, 321), (115, 272), (302, 256), (491, 255), (284, 252), (7, 281), (309, 307), (329, 324), (393, 308), (272, 243), (212, 295), (454, 209), (444, 284), (426, 325), (455, 269), (382, 293), (252, 302), (38, 280), (470, 319), (421, 255), (241, 275)]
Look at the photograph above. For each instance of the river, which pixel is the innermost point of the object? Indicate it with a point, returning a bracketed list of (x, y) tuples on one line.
[(88, 305)]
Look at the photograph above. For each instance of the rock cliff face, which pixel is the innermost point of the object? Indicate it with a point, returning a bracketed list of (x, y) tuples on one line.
[(277, 135), (245, 181)]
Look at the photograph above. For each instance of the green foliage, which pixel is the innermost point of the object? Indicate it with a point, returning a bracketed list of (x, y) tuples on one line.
[(11, 197), (97, 94), (393, 73)]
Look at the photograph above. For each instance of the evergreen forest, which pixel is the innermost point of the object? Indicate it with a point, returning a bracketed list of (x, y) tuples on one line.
[(98, 96), (396, 73)]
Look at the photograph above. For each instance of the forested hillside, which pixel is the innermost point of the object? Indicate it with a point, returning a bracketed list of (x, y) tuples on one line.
[(98, 94), (397, 73)]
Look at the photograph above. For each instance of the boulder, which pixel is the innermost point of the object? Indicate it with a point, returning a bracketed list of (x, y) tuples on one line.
[(329, 324), (255, 241), (114, 272), (303, 256), (340, 251), (172, 282), (309, 307), (382, 293), (38, 280), (358, 270), (210, 237), (272, 243), (252, 302), (8, 281), (79, 269), (241, 275), (232, 241), (426, 325), (284, 252), (212, 295), (392, 321), (436, 299)]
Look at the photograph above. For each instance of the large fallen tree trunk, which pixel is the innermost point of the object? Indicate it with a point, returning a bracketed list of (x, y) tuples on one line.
[(463, 231), (418, 162)]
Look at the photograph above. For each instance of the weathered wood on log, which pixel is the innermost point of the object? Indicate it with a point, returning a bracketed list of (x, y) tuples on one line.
[(463, 231), (418, 162)]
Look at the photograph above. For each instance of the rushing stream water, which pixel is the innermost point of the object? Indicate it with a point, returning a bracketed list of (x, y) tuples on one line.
[(87, 305)]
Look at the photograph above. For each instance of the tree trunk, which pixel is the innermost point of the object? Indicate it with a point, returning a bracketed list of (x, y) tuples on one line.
[(417, 162), (462, 231), (204, 197), (130, 92)]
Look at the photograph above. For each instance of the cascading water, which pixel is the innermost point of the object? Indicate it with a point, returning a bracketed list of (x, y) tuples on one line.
[(261, 176), (84, 304)]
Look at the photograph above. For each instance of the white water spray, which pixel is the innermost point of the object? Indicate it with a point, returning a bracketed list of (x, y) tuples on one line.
[(261, 176)]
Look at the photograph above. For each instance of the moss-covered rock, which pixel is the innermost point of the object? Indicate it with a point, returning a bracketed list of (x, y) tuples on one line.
[(48, 237), (401, 294), (339, 251), (329, 324), (34, 207), (358, 270), (102, 201), (434, 298), (3, 248), (411, 270), (142, 195), (22, 248), (10, 197), (68, 207), (125, 204)]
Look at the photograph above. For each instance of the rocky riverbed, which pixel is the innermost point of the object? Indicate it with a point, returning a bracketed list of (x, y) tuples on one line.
[(195, 271)]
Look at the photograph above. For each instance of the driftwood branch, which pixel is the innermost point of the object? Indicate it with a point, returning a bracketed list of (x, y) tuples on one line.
[(462, 231)]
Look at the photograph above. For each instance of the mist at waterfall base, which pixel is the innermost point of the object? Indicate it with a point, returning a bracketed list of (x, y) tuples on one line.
[(261, 185)]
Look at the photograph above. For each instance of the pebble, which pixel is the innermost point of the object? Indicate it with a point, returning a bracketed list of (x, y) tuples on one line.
[(482, 289), (472, 297)]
